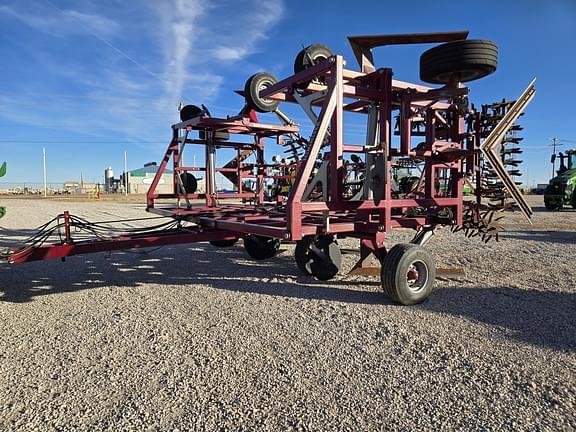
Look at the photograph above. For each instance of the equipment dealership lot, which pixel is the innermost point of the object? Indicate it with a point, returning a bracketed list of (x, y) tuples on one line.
[(198, 338)]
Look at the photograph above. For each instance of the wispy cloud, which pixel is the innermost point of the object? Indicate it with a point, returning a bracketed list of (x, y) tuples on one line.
[(116, 71), (62, 24), (247, 30), (180, 23), (188, 41), (98, 23), (197, 35)]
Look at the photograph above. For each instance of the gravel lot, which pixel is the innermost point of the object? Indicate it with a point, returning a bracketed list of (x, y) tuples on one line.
[(197, 338)]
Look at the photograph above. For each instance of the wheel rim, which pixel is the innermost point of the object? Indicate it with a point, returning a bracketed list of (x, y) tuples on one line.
[(318, 59), (322, 78), (417, 276), (261, 87)]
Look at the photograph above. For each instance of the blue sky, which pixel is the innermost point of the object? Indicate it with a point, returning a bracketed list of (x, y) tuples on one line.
[(91, 79)]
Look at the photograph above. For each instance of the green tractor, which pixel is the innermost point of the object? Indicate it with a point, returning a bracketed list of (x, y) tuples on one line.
[(2, 174), (562, 189)]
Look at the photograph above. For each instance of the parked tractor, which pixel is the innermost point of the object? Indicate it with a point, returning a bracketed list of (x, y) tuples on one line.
[(562, 189)]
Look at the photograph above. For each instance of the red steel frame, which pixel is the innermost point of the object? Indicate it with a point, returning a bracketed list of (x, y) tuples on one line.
[(346, 91), (222, 216)]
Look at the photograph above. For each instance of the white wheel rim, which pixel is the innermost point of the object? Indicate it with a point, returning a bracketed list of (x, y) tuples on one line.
[(417, 276), (262, 87)]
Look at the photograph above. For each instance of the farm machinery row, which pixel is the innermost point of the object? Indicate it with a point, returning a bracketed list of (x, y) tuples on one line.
[(423, 146)]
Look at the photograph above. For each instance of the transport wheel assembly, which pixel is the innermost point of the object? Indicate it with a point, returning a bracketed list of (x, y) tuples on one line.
[(318, 256), (408, 273), (466, 60), (254, 85), (190, 111), (310, 56), (261, 248)]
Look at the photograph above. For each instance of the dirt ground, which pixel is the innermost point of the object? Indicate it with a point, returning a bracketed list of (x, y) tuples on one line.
[(192, 337)]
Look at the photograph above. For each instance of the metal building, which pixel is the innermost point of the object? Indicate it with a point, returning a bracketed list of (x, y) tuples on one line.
[(139, 180)]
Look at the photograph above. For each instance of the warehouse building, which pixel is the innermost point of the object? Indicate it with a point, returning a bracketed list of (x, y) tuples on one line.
[(139, 180)]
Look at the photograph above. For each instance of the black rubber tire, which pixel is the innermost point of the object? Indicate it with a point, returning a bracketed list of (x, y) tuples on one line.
[(190, 111), (311, 55), (261, 248), (224, 243), (323, 267), (553, 206), (252, 88), (395, 269), (468, 59), (550, 207), (190, 183)]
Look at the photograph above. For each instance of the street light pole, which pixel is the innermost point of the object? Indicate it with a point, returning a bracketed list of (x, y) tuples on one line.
[(44, 167), (125, 174), (554, 144), (554, 157)]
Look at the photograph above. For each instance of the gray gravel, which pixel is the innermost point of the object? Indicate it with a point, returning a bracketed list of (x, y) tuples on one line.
[(195, 338)]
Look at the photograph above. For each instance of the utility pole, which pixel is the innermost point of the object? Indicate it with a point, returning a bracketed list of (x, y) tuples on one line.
[(44, 165), (554, 144), (125, 174)]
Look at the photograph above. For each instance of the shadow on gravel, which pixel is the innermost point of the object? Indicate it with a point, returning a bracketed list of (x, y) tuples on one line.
[(545, 210), (535, 317), (561, 237), (225, 268), (539, 318), (12, 238)]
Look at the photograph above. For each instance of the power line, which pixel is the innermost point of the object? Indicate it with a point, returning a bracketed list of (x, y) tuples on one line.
[(560, 140), (20, 141)]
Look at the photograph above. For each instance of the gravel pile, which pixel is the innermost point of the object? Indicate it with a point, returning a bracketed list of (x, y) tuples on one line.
[(196, 338)]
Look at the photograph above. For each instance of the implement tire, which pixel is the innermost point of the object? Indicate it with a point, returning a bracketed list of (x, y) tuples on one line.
[(408, 274), (467, 60), (252, 88)]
